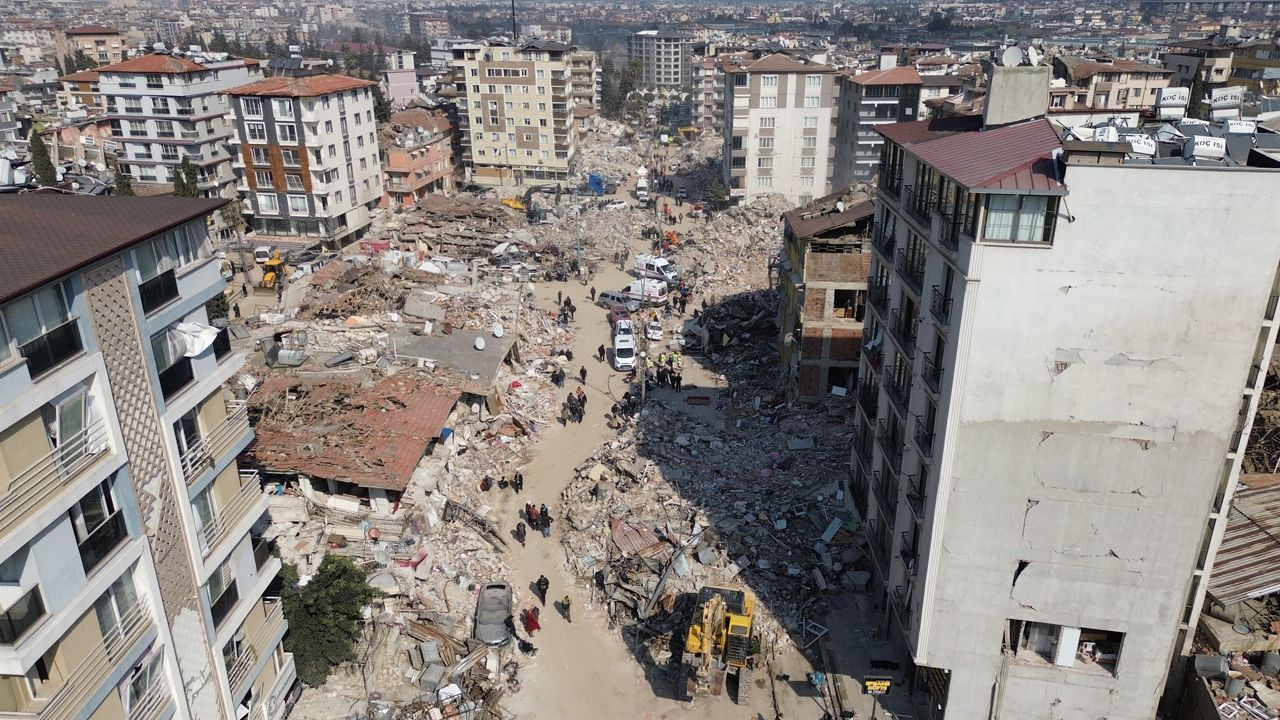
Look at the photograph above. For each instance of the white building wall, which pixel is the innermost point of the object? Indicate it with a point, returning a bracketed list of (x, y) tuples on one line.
[(1094, 388), (792, 122)]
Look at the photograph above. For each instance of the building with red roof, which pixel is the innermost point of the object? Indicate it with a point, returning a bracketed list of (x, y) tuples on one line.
[(869, 99)]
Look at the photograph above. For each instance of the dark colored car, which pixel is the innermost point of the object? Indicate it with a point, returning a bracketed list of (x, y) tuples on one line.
[(492, 610)]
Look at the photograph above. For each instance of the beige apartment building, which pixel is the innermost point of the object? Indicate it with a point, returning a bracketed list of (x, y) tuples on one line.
[(1107, 84), (103, 45), (516, 109)]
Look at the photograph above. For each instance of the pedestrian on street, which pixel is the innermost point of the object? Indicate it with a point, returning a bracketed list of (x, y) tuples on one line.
[(236, 309), (679, 382), (531, 623), (567, 603), (545, 514), (517, 483), (582, 398), (582, 374), (566, 303), (244, 289), (520, 533), (559, 297), (593, 293), (599, 351), (568, 355), (533, 516), (542, 584)]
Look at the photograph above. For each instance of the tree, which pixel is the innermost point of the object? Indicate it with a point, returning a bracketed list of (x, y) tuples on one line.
[(381, 106), (185, 180), (41, 164), (217, 307), (1197, 108), (124, 185), (324, 615)]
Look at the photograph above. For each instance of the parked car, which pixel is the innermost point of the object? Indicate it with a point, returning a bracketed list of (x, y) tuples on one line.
[(492, 610), (682, 192), (624, 353), (624, 328), (609, 298), (615, 205), (610, 187), (653, 330), (618, 313)]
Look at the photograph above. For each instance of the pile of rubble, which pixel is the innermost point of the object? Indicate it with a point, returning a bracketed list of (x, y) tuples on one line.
[(732, 253), (610, 149)]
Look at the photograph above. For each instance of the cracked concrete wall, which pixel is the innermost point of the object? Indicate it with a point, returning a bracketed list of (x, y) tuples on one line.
[(1096, 386)]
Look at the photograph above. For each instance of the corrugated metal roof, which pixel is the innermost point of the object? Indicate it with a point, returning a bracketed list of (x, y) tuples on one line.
[(1248, 562), (1013, 157)]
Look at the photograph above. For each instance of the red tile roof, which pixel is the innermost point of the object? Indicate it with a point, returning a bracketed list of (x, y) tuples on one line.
[(82, 76), (92, 30), (891, 76), (1013, 157), (434, 120), (154, 63), (309, 86), (783, 63)]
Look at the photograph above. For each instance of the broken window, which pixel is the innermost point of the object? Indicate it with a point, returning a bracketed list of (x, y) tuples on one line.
[(849, 304), (1064, 645)]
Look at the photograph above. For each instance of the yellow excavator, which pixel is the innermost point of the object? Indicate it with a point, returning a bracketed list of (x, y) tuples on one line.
[(720, 643), (273, 271)]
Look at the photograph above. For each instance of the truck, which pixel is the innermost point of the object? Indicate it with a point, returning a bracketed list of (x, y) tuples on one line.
[(652, 266), (595, 184), (642, 189), (720, 643), (648, 291)]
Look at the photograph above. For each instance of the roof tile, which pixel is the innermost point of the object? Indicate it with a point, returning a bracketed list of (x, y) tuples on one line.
[(307, 86)]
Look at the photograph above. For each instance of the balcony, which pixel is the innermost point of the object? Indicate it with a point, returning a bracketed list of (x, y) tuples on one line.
[(891, 183), (885, 242), (904, 329), (222, 344), (940, 306), (868, 395), (931, 373), (911, 269), (263, 551), (32, 487), (103, 541), (159, 290), (878, 295), (908, 555), (949, 233), (205, 449), (153, 703), (50, 349), (899, 392), (258, 646), (886, 491), (227, 518), (21, 617), (93, 670), (924, 438), (175, 378), (915, 494), (862, 445), (891, 444), (918, 203), (902, 603), (221, 607), (878, 560)]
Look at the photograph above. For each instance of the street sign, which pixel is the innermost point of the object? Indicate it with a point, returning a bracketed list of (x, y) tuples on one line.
[(880, 685)]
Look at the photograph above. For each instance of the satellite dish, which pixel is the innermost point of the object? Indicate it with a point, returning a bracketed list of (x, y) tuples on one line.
[(839, 206), (497, 330), (1011, 57), (1033, 56), (479, 343), (100, 167)]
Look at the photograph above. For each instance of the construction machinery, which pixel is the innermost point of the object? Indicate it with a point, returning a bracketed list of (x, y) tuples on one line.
[(273, 271), (514, 203), (720, 643)]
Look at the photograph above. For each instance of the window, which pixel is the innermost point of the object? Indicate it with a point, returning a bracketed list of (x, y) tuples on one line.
[(14, 624), (260, 156), (1020, 218), (221, 592), (767, 122), (150, 674), (766, 143), (359, 118), (155, 81), (812, 101), (252, 106), (764, 162), (268, 203), (298, 205), (99, 525), (813, 81), (263, 178), (809, 141), (768, 81), (205, 512), (256, 131), (12, 566), (765, 181), (811, 121), (1087, 649), (333, 151), (806, 181), (160, 105), (287, 133), (170, 153), (769, 101), (1057, 101), (328, 126), (807, 161), (291, 158), (738, 162), (283, 108), (293, 181)]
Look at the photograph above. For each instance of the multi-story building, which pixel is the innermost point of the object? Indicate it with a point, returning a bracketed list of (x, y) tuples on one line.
[(1055, 397), (665, 57), (427, 25), (779, 128), (516, 110), (869, 99), (33, 42), (708, 90), (81, 88), (167, 107), (1114, 84), (308, 155), (417, 156), (400, 76), (103, 45), (588, 80), (10, 124), (822, 290), (133, 583)]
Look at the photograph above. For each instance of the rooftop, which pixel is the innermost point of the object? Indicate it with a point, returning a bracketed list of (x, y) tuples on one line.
[(74, 231), (1012, 157), (823, 214), (162, 63), (92, 30), (1080, 67), (456, 355), (891, 76), (784, 63), (306, 86), (1248, 562), (82, 76)]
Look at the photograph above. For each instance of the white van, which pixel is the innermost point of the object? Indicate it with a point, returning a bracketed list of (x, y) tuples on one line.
[(263, 253), (648, 291), (659, 268), (642, 189)]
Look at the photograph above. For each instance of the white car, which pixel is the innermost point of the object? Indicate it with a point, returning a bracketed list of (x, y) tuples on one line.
[(624, 328), (615, 205), (624, 353), (653, 330)]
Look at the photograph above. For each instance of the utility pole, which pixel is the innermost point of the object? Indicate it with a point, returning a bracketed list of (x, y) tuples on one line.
[(515, 38)]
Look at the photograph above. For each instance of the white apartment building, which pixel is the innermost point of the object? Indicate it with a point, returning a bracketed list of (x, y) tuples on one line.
[(516, 109), (165, 107), (308, 155), (779, 128), (1060, 379), (131, 582), (665, 56)]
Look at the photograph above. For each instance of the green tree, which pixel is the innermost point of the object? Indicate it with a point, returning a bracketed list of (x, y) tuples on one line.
[(1197, 107), (185, 180), (324, 615), (217, 307), (41, 164), (381, 106), (124, 185)]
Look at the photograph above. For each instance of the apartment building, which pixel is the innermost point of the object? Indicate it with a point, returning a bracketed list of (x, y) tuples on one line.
[(779, 131), (427, 25), (103, 45), (33, 42), (821, 278), (133, 584), (1110, 84), (10, 124), (588, 78), (866, 100), (416, 156), (165, 107), (81, 88), (516, 110), (665, 57), (400, 78), (1055, 395), (308, 155)]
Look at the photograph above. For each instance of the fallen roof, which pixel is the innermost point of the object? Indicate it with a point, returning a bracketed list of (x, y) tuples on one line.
[(306, 86), (74, 231), (1248, 561), (1012, 157), (457, 355), (335, 429), (822, 215)]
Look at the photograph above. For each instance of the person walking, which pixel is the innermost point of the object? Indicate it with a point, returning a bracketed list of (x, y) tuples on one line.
[(582, 399), (545, 516), (582, 374), (235, 309), (567, 604), (599, 351), (533, 516), (593, 293), (517, 483), (559, 297), (543, 584), (520, 533), (528, 512), (244, 289)]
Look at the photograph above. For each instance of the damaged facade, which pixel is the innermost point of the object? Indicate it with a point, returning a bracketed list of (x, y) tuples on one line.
[(1041, 447), (822, 292)]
